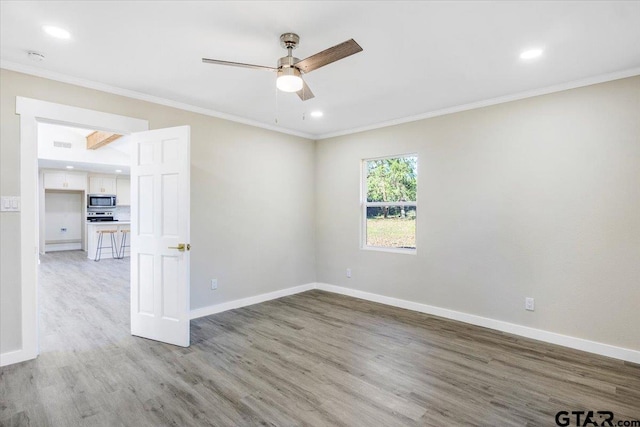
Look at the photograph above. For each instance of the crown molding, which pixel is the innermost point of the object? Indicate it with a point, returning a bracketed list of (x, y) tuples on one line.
[(488, 102), (38, 72), (64, 78)]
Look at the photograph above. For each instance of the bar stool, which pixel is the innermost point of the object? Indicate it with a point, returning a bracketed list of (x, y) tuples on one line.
[(113, 246), (124, 244)]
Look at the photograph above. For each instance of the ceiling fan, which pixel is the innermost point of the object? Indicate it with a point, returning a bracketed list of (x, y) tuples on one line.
[(290, 69)]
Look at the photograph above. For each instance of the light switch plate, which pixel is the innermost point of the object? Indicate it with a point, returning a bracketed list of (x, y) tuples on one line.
[(10, 204)]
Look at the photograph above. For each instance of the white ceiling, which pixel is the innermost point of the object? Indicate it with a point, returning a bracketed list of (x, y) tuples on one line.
[(418, 58), (82, 132), (48, 132)]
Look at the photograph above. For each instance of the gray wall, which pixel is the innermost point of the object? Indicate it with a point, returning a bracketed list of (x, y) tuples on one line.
[(252, 216), (538, 197)]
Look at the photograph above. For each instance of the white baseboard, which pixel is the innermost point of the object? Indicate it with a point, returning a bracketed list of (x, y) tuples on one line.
[(230, 305), (499, 325), (54, 247), (621, 353), (15, 356)]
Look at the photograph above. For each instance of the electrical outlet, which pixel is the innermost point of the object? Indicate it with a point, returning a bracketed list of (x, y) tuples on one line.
[(529, 304), (349, 273), (214, 284)]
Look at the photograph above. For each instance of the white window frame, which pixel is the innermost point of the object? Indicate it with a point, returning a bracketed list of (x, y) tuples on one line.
[(364, 205)]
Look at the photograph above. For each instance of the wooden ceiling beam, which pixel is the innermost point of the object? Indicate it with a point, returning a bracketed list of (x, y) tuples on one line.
[(99, 139)]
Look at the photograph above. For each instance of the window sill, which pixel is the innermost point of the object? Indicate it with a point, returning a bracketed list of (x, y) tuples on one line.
[(391, 250)]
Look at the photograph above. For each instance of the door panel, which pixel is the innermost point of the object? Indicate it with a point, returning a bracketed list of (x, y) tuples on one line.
[(170, 222), (170, 274), (145, 284), (160, 208)]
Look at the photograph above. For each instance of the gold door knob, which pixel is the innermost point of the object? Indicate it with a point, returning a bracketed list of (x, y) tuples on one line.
[(181, 247)]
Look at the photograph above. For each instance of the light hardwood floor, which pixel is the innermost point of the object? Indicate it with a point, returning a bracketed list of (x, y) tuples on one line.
[(310, 359)]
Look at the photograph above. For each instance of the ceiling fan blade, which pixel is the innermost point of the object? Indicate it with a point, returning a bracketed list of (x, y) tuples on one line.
[(238, 64), (328, 56), (305, 93)]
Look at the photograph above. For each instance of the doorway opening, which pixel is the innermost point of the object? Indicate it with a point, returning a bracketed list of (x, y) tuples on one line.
[(32, 113), (84, 264)]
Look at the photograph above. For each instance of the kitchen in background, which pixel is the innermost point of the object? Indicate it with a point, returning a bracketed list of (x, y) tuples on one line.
[(74, 170)]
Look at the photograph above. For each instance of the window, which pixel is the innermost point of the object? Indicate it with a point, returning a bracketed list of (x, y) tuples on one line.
[(389, 207)]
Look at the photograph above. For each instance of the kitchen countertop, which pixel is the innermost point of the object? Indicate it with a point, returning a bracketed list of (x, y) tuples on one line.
[(127, 222)]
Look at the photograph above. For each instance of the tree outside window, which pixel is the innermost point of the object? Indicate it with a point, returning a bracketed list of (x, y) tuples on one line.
[(390, 207)]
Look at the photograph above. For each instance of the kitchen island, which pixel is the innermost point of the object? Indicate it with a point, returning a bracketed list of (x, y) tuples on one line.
[(93, 229)]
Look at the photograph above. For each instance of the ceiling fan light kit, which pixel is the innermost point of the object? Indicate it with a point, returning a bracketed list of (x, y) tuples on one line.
[(289, 80), (289, 77), (290, 69)]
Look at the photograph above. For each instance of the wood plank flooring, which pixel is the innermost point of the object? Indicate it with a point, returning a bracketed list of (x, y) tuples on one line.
[(315, 358)]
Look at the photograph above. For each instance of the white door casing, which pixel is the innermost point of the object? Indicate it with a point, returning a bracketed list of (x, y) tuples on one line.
[(160, 190), (32, 112)]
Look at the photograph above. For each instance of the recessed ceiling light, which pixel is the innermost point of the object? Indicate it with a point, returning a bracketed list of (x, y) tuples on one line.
[(530, 54), (317, 114), (69, 167), (57, 32), (118, 170)]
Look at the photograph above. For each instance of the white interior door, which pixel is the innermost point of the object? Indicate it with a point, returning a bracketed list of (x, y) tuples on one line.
[(160, 235)]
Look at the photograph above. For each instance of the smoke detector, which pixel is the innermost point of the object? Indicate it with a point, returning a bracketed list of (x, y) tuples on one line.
[(36, 56)]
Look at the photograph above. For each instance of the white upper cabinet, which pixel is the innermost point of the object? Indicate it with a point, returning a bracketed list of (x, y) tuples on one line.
[(63, 180), (123, 191), (95, 184), (55, 180), (77, 181), (102, 184), (109, 185)]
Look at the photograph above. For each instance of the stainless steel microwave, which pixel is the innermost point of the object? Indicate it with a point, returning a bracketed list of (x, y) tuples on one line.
[(101, 201)]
